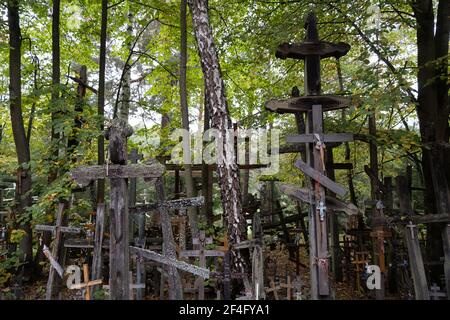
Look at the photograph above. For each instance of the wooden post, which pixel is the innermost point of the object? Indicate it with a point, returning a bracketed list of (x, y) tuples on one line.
[(119, 219), (98, 242), (175, 289), (446, 246), (58, 246), (412, 242)]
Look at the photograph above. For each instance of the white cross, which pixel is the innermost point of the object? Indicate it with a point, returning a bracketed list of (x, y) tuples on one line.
[(322, 210), (411, 226)]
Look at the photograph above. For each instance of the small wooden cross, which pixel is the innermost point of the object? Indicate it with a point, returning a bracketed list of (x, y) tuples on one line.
[(57, 231), (435, 294), (288, 285), (273, 289), (201, 253), (133, 286), (86, 284)]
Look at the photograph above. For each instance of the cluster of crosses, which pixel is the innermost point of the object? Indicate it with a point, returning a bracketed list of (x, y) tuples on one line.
[(320, 194)]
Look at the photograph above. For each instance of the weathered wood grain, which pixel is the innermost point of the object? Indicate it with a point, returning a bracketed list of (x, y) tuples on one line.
[(154, 256), (305, 103), (83, 175), (322, 179)]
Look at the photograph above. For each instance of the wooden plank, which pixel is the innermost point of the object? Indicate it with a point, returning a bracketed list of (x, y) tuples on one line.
[(327, 137), (56, 250), (412, 242), (322, 179), (98, 242), (305, 103), (341, 166), (119, 257), (322, 48), (196, 253), (154, 256), (83, 175), (169, 205), (53, 229), (446, 246), (169, 250)]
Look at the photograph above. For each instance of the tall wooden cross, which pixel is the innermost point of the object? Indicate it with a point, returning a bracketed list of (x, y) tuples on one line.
[(118, 172), (312, 50), (57, 230)]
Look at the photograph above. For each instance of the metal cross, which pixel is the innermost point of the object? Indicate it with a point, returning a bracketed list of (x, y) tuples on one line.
[(321, 207)]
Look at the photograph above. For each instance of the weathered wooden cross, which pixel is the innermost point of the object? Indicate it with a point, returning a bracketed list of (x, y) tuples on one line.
[(200, 253), (118, 172), (57, 230), (312, 50), (435, 294)]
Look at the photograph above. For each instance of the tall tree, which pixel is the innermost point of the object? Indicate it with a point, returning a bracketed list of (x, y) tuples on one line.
[(227, 169), (433, 111), (189, 181), (54, 150), (23, 196)]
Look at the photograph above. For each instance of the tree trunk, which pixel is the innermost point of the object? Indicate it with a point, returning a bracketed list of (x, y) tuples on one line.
[(227, 169), (185, 114), (22, 147), (54, 154), (101, 99), (433, 112)]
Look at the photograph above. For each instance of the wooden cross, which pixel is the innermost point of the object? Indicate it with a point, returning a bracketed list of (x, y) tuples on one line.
[(86, 284), (312, 50), (435, 294), (273, 289), (288, 286), (118, 172), (133, 286), (418, 274), (57, 230), (154, 256), (360, 260), (200, 252)]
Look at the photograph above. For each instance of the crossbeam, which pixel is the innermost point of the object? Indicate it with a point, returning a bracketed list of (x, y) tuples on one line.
[(85, 174), (327, 137), (320, 178), (154, 256), (54, 229), (306, 103), (301, 50), (171, 204)]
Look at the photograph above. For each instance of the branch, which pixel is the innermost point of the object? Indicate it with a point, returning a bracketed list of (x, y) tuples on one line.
[(380, 55)]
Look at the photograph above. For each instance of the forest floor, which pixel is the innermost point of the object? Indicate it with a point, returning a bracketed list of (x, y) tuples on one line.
[(277, 264)]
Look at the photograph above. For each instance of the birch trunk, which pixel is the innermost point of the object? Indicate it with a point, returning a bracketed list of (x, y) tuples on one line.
[(227, 170)]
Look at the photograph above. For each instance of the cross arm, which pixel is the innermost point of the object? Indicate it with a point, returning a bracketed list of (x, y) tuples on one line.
[(206, 253), (154, 256), (310, 138), (305, 103), (42, 227), (302, 194), (172, 204), (322, 48), (85, 174), (322, 179)]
